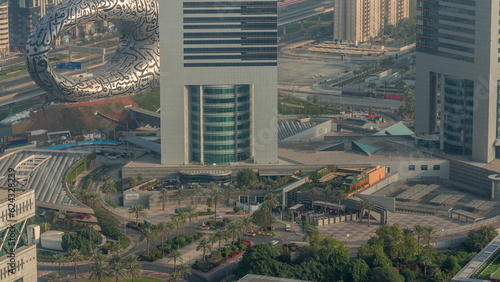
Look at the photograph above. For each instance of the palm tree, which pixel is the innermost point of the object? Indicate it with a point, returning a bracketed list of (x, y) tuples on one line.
[(312, 194), (191, 213), (184, 270), (59, 259), (327, 191), (309, 232), (235, 229), (197, 191), (133, 267), (339, 195), (178, 220), (74, 256), (105, 178), (163, 228), (114, 248), (163, 198), (228, 189), (429, 235), (210, 202), (419, 231), (45, 226), (179, 196), (204, 246), (221, 235), (213, 240), (137, 210), (247, 223), (217, 198), (117, 270), (54, 277), (149, 235), (99, 267), (175, 276), (365, 205), (272, 201), (175, 256), (92, 199), (108, 188)]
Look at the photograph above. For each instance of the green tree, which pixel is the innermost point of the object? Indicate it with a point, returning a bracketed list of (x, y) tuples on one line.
[(419, 231), (314, 176), (408, 109), (359, 271), (222, 236), (197, 191), (137, 210), (205, 246), (149, 235), (429, 235), (272, 201), (246, 177), (108, 188), (339, 195), (178, 220), (131, 181), (309, 232), (179, 196), (184, 270), (139, 177), (163, 197), (45, 226), (365, 205), (383, 274), (133, 267), (228, 190), (74, 256), (176, 257), (478, 239), (262, 219), (59, 259), (99, 267), (216, 195), (191, 214), (54, 277)]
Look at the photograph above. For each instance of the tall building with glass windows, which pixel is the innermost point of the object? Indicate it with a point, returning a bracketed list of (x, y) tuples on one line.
[(218, 82), (458, 74)]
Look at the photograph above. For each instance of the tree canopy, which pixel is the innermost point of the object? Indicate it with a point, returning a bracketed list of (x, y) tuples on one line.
[(246, 177)]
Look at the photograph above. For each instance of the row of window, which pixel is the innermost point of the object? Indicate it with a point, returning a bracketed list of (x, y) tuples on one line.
[(423, 167), (263, 56), (202, 65), (271, 19), (239, 34), (242, 26), (241, 11), (247, 41), (229, 4)]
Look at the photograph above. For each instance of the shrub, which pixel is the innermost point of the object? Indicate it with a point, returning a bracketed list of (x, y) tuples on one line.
[(152, 255), (233, 254), (236, 209)]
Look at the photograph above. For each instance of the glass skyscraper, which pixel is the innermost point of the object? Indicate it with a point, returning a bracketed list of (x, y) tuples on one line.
[(458, 69)]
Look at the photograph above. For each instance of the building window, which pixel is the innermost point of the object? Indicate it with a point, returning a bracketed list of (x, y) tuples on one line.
[(411, 167), (437, 167), (423, 167)]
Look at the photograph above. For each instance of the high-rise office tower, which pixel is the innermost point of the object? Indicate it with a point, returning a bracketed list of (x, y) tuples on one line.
[(356, 21), (218, 81), (458, 72), (4, 28)]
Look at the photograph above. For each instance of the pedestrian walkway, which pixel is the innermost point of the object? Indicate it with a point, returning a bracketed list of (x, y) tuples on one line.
[(189, 254)]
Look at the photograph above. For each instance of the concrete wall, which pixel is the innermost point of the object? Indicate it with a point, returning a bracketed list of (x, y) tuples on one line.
[(131, 198), (380, 185)]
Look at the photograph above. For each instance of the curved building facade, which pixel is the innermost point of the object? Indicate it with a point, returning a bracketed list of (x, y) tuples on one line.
[(220, 123)]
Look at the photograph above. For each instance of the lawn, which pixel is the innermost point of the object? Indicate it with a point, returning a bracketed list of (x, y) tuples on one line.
[(307, 108), (149, 100), (491, 268), (45, 256), (112, 279)]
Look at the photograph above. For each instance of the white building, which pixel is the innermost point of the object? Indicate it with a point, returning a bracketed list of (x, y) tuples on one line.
[(219, 81)]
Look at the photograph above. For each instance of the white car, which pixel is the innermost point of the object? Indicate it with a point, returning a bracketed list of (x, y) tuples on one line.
[(217, 216)]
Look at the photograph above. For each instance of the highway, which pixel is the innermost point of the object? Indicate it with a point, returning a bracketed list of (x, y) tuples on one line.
[(302, 11)]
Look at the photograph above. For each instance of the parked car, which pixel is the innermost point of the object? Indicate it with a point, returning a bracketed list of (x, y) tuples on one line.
[(204, 227), (251, 233), (216, 216)]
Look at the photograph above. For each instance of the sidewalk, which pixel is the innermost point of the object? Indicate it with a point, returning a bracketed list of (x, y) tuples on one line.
[(189, 254)]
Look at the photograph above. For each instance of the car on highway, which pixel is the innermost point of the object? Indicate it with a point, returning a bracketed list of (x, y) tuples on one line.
[(274, 242), (251, 233), (216, 216)]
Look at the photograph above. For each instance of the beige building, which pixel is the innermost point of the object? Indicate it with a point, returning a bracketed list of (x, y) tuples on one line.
[(356, 21), (4, 28), (17, 250)]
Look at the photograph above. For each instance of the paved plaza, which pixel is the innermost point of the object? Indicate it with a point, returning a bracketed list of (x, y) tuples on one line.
[(355, 233)]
